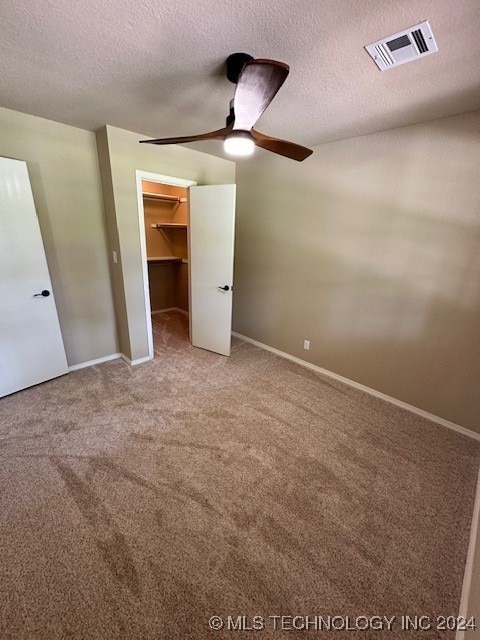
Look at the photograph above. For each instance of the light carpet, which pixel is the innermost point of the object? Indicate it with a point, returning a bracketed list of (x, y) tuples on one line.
[(138, 502)]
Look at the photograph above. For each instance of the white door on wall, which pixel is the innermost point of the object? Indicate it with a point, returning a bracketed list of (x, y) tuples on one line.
[(31, 345), (211, 239)]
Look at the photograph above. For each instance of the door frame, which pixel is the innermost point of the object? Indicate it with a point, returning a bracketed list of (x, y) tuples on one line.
[(162, 179)]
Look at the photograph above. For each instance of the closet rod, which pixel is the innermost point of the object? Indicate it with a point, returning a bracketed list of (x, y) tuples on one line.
[(162, 196)]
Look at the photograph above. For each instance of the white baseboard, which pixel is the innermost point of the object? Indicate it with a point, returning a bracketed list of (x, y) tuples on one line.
[(399, 403), (134, 363), (91, 363), (154, 313), (466, 608)]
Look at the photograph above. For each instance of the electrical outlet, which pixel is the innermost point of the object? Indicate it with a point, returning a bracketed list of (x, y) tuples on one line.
[(306, 345)]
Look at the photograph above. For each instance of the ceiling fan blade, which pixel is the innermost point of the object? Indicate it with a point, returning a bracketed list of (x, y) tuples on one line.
[(212, 135), (282, 147), (257, 85)]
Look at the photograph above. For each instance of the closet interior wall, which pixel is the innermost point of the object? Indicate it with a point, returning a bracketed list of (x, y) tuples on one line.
[(167, 248)]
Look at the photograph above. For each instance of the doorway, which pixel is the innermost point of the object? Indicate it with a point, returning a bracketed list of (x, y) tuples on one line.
[(187, 238), (163, 220)]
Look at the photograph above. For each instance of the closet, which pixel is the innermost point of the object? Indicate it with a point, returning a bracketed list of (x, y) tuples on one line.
[(166, 232), (189, 242)]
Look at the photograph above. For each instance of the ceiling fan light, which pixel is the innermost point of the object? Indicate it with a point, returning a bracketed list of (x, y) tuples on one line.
[(239, 143)]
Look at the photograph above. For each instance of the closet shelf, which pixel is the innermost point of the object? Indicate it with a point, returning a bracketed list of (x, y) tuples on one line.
[(169, 225), (164, 259), (163, 197)]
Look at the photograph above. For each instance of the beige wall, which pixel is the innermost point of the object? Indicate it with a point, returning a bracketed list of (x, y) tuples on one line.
[(371, 249), (125, 155), (162, 279), (63, 168)]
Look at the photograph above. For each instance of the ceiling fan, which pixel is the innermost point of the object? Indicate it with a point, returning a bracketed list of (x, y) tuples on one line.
[(257, 84)]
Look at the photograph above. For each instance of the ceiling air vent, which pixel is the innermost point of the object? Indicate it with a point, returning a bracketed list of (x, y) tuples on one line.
[(404, 46)]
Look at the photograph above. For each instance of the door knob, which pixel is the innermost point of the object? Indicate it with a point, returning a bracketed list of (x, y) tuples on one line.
[(45, 293), (225, 288)]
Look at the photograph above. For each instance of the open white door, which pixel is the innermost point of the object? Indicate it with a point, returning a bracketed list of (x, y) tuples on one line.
[(211, 236), (31, 345)]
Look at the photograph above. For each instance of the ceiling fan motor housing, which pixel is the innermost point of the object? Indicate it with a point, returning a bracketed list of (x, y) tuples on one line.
[(235, 64)]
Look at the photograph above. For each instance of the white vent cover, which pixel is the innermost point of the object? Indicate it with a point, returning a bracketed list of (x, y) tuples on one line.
[(404, 46)]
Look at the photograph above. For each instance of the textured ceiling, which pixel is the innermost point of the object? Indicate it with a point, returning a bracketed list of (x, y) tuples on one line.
[(158, 67)]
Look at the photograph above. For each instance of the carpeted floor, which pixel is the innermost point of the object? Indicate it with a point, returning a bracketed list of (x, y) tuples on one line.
[(136, 503)]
